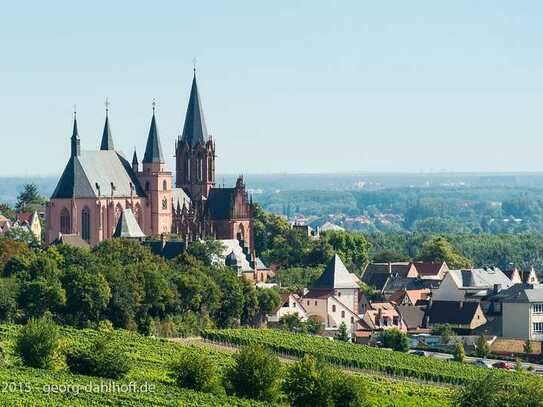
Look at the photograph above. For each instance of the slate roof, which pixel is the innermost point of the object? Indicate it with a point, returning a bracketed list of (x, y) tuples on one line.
[(72, 240), (92, 169), (128, 226), (484, 278), (522, 293), (153, 149), (376, 280), (319, 293), (107, 139), (194, 129), (452, 312), (335, 275), (396, 283), (220, 202), (180, 198), (170, 250), (400, 268), (412, 316)]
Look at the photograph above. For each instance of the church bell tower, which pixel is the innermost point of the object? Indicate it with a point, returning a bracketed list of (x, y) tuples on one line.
[(195, 151)]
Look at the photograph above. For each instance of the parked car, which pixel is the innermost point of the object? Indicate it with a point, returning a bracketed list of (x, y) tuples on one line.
[(503, 365), (419, 353), (482, 363)]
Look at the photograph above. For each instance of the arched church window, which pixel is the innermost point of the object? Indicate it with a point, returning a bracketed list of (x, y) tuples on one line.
[(164, 185), (164, 203), (200, 169), (65, 222), (85, 224), (187, 170)]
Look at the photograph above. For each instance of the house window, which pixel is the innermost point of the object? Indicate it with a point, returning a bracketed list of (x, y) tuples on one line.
[(395, 321), (537, 308), (85, 224), (65, 224), (339, 293), (333, 308), (537, 327), (352, 320), (285, 305), (342, 314), (307, 302)]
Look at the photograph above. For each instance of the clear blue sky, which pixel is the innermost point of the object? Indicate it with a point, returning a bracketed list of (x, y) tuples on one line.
[(287, 86)]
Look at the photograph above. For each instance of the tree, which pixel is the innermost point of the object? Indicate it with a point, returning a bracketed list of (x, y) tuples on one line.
[(206, 251), (9, 290), (196, 371), (10, 248), (231, 306), (29, 194), (291, 322), (439, 249), (446, 333), (459, 353), (395, 339), (41, 296), (314, 324), (342, 333), (482, 348), (518, 365), (255, 374), (87, 294), (304, 384), (37, 343), (268, 300), (353, 248), (250, 302), (389, 256)]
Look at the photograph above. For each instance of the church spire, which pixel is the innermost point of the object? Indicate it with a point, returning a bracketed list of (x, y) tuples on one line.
[(75, 144), (135, 164), (107, 140), (194, 130), (153, 149)]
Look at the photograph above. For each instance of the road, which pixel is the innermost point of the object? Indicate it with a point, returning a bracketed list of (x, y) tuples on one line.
[(470, 359)]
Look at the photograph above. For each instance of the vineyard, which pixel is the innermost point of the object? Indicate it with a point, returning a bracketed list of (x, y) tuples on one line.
[(360, 356), (151, 359)]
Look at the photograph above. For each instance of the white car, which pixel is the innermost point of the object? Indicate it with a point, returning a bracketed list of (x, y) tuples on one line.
[(482, 363)]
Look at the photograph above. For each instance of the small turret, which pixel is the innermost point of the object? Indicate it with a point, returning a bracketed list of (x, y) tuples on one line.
[(76, 148), (107, 139), (135, 164)]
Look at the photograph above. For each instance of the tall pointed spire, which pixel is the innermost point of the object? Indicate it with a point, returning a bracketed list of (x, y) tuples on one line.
[(75, 144), (194, 130), (135, 164), (107, 139), (153, 149)]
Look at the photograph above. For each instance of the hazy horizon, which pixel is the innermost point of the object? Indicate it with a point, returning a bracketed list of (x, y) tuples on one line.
[(287, 87)]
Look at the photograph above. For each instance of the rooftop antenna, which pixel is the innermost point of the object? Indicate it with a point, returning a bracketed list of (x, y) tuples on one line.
[(75, 111), (154, 105), (107, 105), (194, 61)]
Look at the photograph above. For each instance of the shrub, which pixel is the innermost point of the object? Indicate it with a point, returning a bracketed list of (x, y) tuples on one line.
[(482, 348), (101, 359), (196, 371), (395, 339), (255, 374), (38, 342), (314, 325), (311, 382), (105, 326), (342, 333)]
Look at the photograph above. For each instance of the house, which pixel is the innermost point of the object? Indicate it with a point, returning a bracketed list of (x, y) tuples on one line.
[(381, 316), (522, 312), (243, 261), (334, 297), (398, 283), (464, 316), (431, 270), (514, 275), (376, 275), (30, 221), (289, 304), (413, 318), (471, 285), (410, 297)]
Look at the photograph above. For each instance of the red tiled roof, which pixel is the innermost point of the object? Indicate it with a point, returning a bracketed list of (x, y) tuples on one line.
[(428, 268), (24, 216)]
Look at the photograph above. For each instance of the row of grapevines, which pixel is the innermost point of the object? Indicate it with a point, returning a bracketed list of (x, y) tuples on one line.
[(359, 356)]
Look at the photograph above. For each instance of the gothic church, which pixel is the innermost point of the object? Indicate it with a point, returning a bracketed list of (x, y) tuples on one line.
[(97, 186)]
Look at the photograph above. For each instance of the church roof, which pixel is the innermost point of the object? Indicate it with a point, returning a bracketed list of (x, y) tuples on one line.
[(220, 202), (180, 198), (128, 226), (107, 139), (194, 130), (93, 173), (153, 150), (335, 275)]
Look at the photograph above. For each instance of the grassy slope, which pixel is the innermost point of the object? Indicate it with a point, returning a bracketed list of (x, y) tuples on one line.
[(151, 358)]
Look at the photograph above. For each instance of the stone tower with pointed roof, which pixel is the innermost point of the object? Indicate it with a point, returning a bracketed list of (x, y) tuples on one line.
[(157, 184), (195, 151)]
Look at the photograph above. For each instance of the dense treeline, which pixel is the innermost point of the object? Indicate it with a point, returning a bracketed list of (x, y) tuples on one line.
[(300, 260), (123, 282)]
